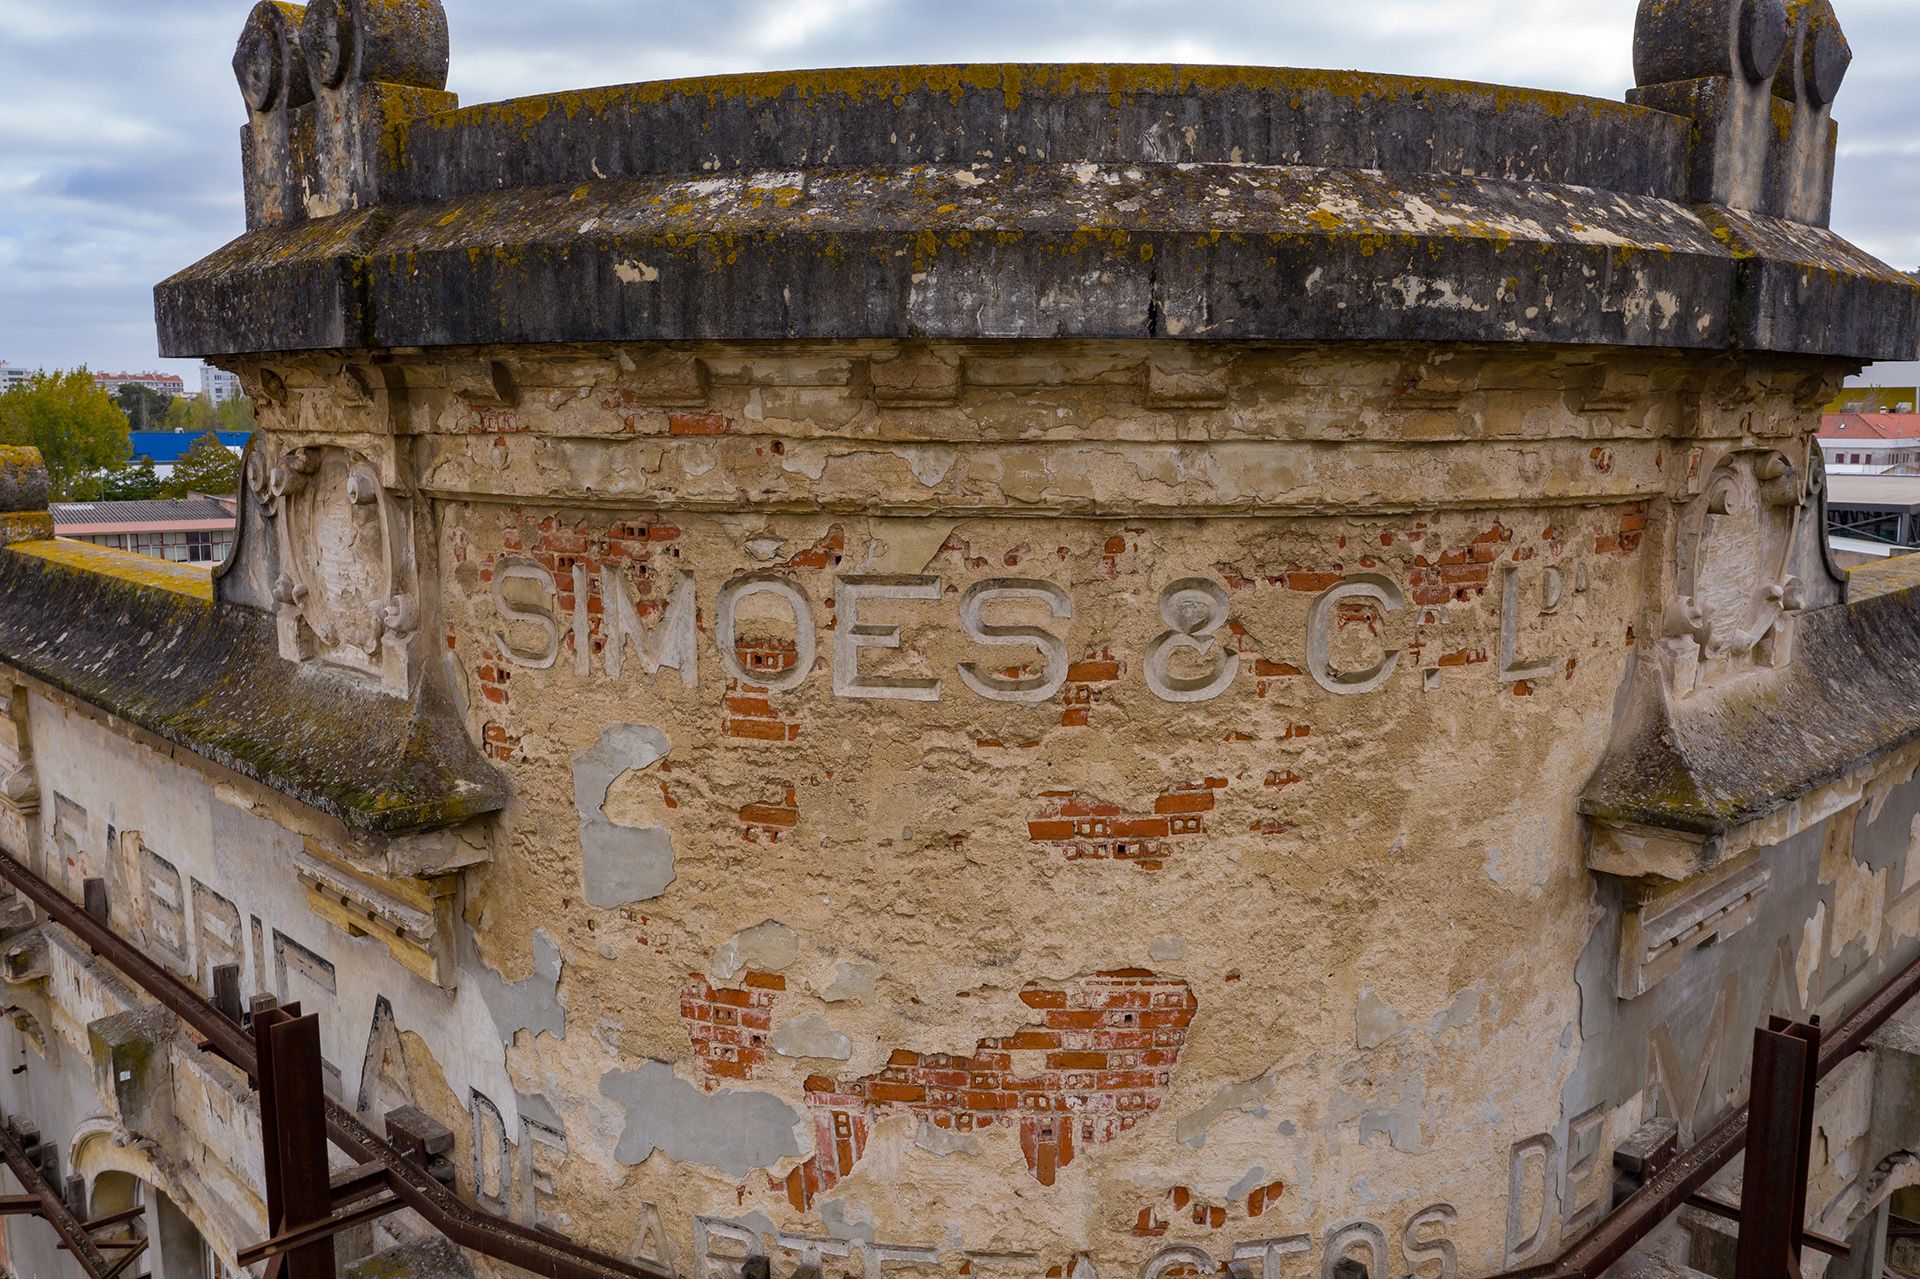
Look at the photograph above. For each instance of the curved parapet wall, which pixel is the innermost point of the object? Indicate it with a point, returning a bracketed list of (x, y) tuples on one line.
[(1128, 672), (1219, 203)]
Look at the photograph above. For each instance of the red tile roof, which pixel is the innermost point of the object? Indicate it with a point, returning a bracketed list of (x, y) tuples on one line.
[(1870, 426)]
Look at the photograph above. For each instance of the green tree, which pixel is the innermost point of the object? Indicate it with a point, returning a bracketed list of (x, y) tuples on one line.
[(145, 408), (190, 414), (208, 466), (235, 415), (132, 484), (77, 427)]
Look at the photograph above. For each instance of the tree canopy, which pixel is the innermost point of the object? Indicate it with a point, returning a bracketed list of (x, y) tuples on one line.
[(77, 427), (145, 408), (207, 466)]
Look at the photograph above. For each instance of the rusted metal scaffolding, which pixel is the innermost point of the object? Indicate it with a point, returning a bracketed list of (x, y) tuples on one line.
[(401, 1169), (307, 1206), (31, 1166)]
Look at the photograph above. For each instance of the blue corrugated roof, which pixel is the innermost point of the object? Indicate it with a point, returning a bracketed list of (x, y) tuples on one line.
[(166, 447)]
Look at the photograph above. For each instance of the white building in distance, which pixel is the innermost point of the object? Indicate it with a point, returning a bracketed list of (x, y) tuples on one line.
[(218, 385)]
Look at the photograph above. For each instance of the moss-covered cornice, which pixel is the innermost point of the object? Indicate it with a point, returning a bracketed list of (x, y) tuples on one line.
[(149, 646)]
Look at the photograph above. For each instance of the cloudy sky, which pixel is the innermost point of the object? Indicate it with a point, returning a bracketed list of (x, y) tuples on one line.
[(119, 119)]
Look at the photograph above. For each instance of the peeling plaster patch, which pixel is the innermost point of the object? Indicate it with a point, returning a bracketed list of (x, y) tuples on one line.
[(536, 1107), (619, 864), (1858, 895), (929, 465), (1163, 949), (1807, 961), (731, 1130), (532, 1005), (944, 1141), (769, 947), (1191, 1130), (853, 979), (634, 271), (1374, 1020), (811, 1036), (905, 546)]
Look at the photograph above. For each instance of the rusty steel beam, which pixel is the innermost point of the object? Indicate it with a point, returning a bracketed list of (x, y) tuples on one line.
[(536, 1251), (1774, 1177), (72, 1231), (1664, 1192)]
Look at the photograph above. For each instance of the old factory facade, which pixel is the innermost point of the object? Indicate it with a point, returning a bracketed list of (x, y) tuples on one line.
[(1033, 672)]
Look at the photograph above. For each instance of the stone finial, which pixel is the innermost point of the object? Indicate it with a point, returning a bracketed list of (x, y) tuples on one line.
[(324, 84), (1676, 40), (1818, 56), (1758, 78), (23, 496), (401, 42), (272, 72), (375, 64)]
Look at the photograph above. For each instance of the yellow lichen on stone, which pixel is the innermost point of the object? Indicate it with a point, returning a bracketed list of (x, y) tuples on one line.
[(141, 570)]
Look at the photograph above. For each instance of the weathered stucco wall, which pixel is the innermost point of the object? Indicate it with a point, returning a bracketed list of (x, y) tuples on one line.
[(1178, 671)]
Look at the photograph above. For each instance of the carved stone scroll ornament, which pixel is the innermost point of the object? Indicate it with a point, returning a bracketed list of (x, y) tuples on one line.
[(1735, 599), (345, 588)]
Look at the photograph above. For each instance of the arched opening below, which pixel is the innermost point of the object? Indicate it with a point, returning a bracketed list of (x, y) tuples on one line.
[(175, 1250)]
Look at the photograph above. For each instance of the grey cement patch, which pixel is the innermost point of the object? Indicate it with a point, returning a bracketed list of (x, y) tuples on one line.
[(532, 1005), (811, 1036), (1164, 949), (1191, 1130), (847, 1220), (944, 1141), (619, 864), (853, 979), (767, 947), (1256, 1177), (1375, 1021), (731, 1130)]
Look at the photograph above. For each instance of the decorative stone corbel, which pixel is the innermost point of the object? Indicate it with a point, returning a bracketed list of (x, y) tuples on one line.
[(374, 65), (1735, 597), (1715, 61), (346, 592)]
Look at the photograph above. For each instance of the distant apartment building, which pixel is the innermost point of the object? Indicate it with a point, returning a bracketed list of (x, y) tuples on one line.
[(12, 375), (165, 383), (218, 386), (193, 530)]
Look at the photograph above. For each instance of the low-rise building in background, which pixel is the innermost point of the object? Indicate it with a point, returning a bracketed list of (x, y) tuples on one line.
[(190, 530)]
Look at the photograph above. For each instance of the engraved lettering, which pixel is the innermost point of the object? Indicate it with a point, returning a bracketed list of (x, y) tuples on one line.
[(850, 635), (725, 625), (1320, 633), (1053, 650), (541, 619), (1196, 609), (673, 644), (1512, 670), (1423, 1246)]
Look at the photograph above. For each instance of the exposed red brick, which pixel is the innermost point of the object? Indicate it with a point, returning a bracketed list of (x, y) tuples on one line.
[(699, 424), (769, 820), (1075, 1096), (1088, 829)]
